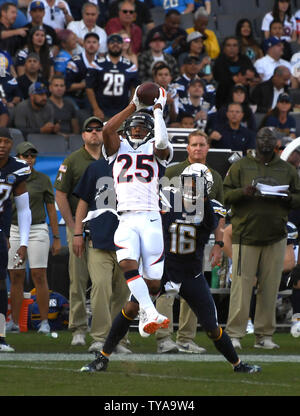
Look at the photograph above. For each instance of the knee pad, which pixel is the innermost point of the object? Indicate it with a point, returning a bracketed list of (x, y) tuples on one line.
[(215, 334)]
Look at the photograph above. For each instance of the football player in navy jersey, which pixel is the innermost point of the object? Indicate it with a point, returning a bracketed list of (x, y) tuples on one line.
[(13, 174), (9, 89), (111, 83), (188, 220)]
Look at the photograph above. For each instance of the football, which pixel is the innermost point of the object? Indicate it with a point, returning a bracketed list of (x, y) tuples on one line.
[(147, 92)]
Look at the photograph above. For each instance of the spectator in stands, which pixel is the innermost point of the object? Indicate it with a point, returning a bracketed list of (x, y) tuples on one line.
[(276, 29), (64, 110), (282, 11), (182, 6), (21, 19), (265, 94), (127, 49), (265, 66), (87, 24), (226, 68), (143, 16), (6, 59), (171, 32), (125, 21), (185, 121), (204, 4), (67, 41), (35, 115), (10, 92), (155, 53), (162, 76), (211, 42), (195, 103), (37, 43), (10, 39), (110, 85), (68, 176), (190, 70), (195, 47), (77, 69), (231, 134), (280, 118), (258, 235), (42, 203), (31, 74), (57, 14), (4, 117), (238, 95), (248, 45), (37, 14)]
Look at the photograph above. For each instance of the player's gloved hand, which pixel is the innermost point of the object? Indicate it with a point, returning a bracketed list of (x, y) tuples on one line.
[(135, 100), (162, 99)]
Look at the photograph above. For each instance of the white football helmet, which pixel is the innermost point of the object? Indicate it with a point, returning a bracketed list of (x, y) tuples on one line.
[(295, 328), (143, 120), (189, 186)]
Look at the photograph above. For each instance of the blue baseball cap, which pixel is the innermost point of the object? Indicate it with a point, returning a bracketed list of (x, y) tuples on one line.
[(272, 41), (37, 5), (37, 88)]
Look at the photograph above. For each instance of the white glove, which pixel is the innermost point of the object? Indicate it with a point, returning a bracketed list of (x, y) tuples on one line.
[(162, 99), (135, 100)]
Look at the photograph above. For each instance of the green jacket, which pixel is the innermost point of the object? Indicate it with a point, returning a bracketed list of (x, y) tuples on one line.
[(260, 220)]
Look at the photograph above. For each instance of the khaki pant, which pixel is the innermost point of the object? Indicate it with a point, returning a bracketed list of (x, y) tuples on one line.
[(109, 290), (79, 276), (187, 319), (265, 262)]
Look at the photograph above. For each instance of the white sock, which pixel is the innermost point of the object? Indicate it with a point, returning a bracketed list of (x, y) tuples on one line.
[(140, 291)]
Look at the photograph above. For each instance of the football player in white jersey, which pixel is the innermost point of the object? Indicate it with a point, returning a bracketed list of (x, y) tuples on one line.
[(138, 161)]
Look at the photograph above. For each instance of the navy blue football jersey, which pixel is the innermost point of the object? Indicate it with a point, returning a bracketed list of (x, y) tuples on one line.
[(112, 83), (76, 71), (184, 240), (9, 87), (89, 188), (11, 175)]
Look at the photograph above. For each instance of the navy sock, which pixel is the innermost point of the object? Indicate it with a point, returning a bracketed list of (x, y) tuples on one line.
[(225, 347), (118, 330), (295, 299), (3, 301)]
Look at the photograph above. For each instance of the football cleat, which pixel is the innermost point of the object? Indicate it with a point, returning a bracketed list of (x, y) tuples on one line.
[(150, 322), (12, 327), (44, 327), (6, 348), (190, 347), (246, 368), (167, 346), (99, 364)]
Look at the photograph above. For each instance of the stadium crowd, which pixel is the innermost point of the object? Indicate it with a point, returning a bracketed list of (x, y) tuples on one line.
[(62, 62)]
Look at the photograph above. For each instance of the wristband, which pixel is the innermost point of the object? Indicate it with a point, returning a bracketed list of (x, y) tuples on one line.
[(78, 235)]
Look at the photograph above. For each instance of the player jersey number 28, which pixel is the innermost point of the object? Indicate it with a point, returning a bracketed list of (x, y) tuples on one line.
[(114, 84), (183, 238)]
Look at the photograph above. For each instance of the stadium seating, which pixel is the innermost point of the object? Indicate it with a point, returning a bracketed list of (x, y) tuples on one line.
[(49, 143), (17, 136)]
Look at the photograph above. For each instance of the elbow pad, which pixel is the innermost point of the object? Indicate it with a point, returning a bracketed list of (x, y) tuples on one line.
[(24, 217), (160, 130)]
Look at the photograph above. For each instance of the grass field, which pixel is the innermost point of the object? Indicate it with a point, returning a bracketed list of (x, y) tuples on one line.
[(44, 366)]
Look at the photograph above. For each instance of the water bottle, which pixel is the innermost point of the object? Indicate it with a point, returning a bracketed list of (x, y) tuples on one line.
[(215, 278)]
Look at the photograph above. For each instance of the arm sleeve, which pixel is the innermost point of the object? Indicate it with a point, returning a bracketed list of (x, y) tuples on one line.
[(24, 217)]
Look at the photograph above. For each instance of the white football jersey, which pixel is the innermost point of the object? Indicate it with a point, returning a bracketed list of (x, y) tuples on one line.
[(136, 174)]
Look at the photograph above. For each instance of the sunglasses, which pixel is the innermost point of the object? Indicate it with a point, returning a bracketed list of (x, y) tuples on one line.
[(90, 129), (128, 11), (27, 154)]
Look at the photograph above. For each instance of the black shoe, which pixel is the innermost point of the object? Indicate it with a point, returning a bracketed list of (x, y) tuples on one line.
[(246, 368), (99, 364)]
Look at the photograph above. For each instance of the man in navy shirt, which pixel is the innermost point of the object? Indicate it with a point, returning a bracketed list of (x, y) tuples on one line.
[(109, 289), (232, 135), (112, 81)]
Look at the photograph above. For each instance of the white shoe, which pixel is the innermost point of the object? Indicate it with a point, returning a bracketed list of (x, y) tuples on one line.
[(6, 348), (78, 339), (236, 343), (12, 327), (265, 343), (250, 327), (190, 347), (120, 349), (96, 346), (295, 328), (151, 321), (44, 327), (167, 345)]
